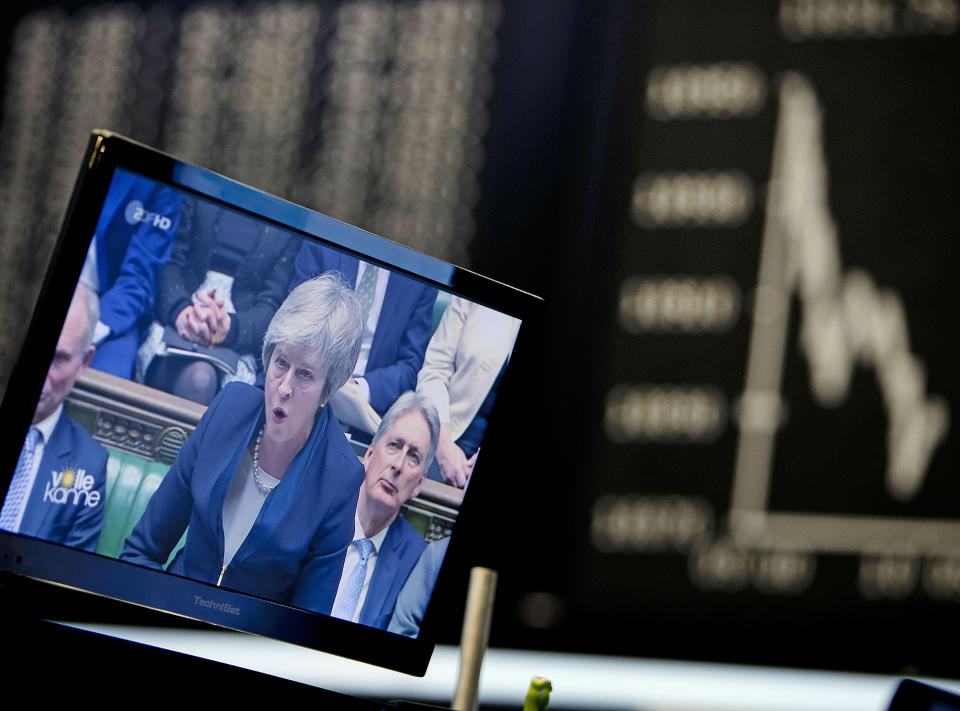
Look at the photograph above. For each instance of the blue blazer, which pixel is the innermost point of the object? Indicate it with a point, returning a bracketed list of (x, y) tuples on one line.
[(415, 596), (400, 551), (132, 245), (403, 329), (294, 552), (60, 510)]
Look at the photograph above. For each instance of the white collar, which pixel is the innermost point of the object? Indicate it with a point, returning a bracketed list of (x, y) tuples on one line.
[(47, 425), (376, 539)]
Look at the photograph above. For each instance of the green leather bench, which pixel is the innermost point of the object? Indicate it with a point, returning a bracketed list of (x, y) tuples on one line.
[(131, 481)]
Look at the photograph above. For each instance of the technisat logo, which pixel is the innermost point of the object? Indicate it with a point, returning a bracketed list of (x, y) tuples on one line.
[(221, 606), (135, 214)]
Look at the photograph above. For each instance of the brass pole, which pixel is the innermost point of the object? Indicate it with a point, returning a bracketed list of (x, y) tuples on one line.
[(475, 636)]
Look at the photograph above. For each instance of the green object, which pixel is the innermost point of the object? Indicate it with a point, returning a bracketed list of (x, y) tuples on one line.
[(538, 696), (131, 481)]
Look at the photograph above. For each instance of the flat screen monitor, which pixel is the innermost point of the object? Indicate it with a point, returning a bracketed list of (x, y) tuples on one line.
[(243, 412), (913, 695)]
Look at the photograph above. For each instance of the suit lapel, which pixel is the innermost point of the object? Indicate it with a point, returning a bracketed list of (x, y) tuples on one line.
[(392, 300), (280, 510), (228, 459), (38, 514), (388, 560)]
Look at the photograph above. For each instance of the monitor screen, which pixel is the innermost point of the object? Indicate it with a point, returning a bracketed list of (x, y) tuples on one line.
[(243, 412)]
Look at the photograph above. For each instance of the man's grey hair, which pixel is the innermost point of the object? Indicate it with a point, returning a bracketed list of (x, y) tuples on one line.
[(407, 402), (321, 316), (86, 299)]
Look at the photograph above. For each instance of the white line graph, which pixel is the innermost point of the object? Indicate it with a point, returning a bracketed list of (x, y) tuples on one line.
[(846, 320)]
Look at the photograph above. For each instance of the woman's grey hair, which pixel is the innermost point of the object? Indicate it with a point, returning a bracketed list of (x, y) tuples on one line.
[(412, 400), (320, 316)]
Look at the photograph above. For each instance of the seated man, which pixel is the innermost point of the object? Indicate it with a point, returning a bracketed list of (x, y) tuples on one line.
[(385, 547), (397, 321), (132, 240), (57, 489), (415, 596)]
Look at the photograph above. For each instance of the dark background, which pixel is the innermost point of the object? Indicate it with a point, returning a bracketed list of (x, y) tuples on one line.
[(566, 131)]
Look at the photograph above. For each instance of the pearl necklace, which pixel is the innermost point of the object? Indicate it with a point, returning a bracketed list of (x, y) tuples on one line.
[(264, 489)]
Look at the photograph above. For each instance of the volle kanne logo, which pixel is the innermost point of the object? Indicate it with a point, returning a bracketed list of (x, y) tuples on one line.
[(71, 486)]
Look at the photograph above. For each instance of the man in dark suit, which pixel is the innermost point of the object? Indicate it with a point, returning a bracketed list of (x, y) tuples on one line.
[(132, 240), (385, 547), (398, 322), (57, 490)]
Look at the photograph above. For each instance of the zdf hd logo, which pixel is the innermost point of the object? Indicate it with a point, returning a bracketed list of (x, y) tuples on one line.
[(135, 214)]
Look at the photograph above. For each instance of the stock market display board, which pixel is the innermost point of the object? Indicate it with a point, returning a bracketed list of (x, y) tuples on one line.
[(774, 472)]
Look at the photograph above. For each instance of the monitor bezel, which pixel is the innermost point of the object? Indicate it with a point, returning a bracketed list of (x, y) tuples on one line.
[(130, 583)]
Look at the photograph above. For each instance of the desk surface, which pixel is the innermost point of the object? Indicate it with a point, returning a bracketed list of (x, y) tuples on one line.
[(579, 681), (63, 663)]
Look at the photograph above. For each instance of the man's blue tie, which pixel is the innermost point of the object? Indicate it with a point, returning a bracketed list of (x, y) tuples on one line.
[(347, 602), (366, 290), (17, 494)]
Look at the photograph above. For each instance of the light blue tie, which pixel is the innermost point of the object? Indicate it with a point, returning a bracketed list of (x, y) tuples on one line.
[(347, 602), (17, 494)]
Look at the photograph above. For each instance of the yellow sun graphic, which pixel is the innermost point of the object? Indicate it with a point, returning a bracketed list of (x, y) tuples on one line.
[(69, 476)]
